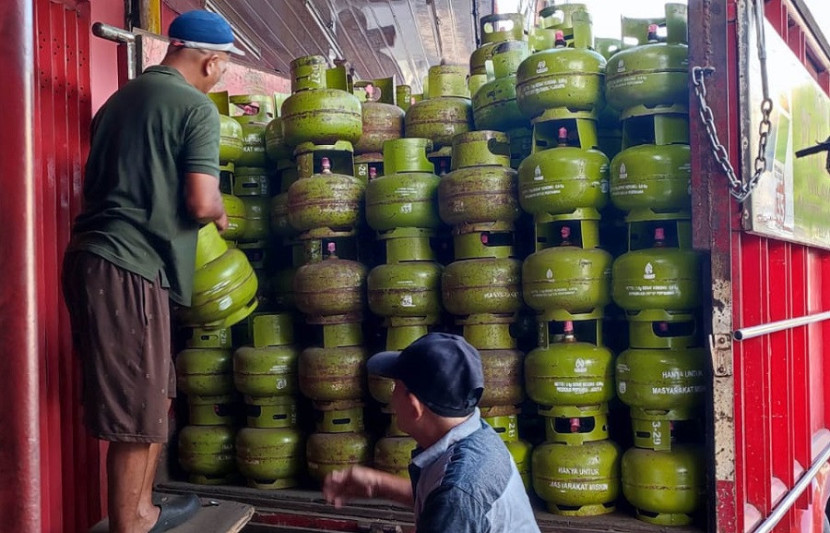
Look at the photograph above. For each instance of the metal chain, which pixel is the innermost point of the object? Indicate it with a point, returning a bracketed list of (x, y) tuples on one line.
[(741, 191)]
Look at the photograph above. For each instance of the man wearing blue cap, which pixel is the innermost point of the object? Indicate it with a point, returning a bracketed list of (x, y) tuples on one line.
[(463, 479), (151, 180)]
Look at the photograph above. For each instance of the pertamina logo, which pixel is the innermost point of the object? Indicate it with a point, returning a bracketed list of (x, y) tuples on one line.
[(648, 272), (541, 67), (580, 367), (621, 66), (623, 172)]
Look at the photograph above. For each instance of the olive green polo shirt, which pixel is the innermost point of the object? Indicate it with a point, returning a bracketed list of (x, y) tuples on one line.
[(144, 139)]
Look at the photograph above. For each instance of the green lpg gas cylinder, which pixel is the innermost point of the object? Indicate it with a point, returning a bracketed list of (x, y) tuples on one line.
[(327, 452), (333, 286), (570, 80), (270, 458), (237, 219), (224, 284), (275, 147), (407, 289), (333, 374), (502, 377), (563, 179), (481, 186), (494, 104), (489, 285), (478, 67), (252, 188), (205, 371), (271, 411), (447, 112), (207, 454), (325, 200), (654, 76), (652, 177), (665, 487), (280, 226), (567, 280), (316, 113), (393, 454), (257, 111), (230, 140), (265, 371), (382, 120), (381, 388), (570, 372), (267, 367), (405, 196), (577, 480), (507, 427), (658, 278), (662, 379), (220, 410)]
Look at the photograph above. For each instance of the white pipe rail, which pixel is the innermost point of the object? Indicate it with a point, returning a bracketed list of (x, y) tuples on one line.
[(781, 325), (789, 500)]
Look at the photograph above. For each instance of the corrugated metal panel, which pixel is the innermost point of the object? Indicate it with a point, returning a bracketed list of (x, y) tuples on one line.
[(70, 459), (379, 37)]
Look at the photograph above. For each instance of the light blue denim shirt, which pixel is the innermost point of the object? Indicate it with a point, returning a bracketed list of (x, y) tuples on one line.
[(467, 482)]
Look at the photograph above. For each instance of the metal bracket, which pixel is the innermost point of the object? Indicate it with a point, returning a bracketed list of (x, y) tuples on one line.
[(720, 347)]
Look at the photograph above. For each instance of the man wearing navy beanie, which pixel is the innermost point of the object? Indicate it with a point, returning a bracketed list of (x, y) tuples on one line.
[(463, 479), (151, 179)]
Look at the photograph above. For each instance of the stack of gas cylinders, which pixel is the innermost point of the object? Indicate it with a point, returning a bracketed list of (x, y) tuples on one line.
[(492, 205), (662, 376), (405, 290), (563, 184)]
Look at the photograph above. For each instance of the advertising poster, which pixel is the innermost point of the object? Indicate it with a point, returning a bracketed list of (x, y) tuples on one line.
[(792, 200)]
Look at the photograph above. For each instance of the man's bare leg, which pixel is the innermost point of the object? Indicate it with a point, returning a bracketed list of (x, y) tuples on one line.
[(127, 466)]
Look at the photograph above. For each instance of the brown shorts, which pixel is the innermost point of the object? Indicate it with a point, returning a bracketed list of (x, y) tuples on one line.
[(121, 332)]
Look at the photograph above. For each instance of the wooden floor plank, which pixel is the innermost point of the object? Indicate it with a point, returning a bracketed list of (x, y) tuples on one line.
[(215, 516)]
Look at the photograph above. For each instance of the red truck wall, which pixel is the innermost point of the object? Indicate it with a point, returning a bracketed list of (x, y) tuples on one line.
[(770, 412), (49, 469)]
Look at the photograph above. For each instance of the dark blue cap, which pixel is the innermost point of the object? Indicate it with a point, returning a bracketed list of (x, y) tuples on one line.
[(442, 370), (204, 30)]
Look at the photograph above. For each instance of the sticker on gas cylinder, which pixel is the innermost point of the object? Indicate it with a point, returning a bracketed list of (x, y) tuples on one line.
[(678, 390), (282, 383), (543, 86), (499, 294), (648, 271), (406, 301), (406, 208), (603, 186), (679, 374), (278, 369), (582, 487), (652, 290), (623, 172), (580, 367), (537, 174), (541, 67), (628, 81), (622, 386), (621, 66), (579, 387), (552, 292), (577, 471), (543, 190), (629, 189)]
